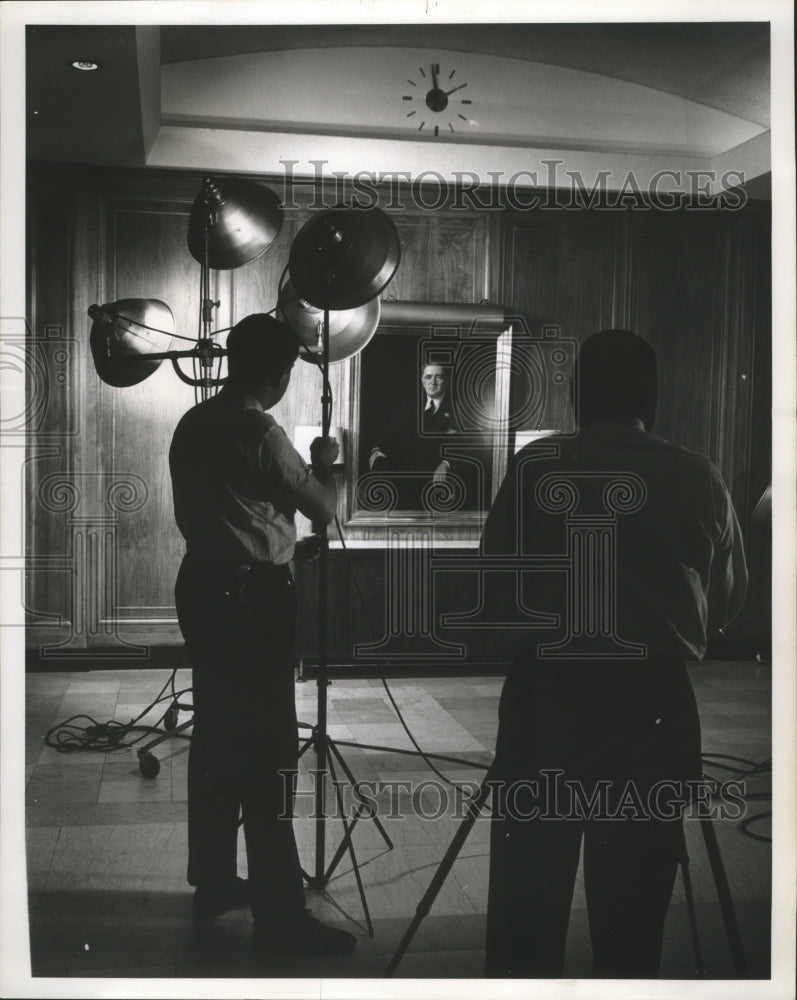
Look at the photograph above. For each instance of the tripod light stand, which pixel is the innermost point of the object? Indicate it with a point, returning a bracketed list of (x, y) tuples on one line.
[(231, 223), (339, 262)]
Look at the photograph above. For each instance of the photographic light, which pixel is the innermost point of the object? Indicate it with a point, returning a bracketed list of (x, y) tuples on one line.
[(349, 329), (344, 257), (122, 336), (235, 220)]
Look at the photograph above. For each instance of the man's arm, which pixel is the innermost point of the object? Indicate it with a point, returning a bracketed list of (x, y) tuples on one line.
[(317, 499)]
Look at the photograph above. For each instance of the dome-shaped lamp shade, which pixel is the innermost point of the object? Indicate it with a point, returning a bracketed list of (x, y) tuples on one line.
[(349, 329), (240, 220), (344, 257), (124, 333)]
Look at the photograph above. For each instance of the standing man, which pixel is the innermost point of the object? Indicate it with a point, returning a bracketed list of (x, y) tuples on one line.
[(599, 736), (237, 483)]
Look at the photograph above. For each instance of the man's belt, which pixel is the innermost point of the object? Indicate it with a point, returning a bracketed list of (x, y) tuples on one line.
[(235, 577)]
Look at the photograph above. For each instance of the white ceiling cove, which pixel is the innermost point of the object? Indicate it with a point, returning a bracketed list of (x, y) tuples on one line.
[(648, 97), (381, 91)]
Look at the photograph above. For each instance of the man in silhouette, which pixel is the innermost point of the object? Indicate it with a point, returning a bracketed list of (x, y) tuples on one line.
[(599, 736), (237, 483)]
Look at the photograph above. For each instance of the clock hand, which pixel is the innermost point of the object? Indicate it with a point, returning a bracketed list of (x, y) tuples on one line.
[(434, 76), (447, 92)]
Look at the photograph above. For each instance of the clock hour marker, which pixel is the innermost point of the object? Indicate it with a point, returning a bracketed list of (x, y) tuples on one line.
[(438, 100)]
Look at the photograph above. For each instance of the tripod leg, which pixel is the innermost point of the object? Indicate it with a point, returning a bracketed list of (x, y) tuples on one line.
[(346, 770), (344, 844), (305, 747), (348, 841), (690, 905), (166, 736), (473, 810), (725, 898)]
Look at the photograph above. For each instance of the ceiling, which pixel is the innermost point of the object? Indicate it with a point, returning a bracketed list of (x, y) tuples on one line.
[(721, 65), (233, 95)]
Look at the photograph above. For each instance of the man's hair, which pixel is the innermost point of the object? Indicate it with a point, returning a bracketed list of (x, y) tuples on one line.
[(615, 376), (260, 349), (446, 369)]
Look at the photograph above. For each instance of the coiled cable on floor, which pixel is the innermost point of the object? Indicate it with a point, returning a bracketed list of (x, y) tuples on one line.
[(112, 736)]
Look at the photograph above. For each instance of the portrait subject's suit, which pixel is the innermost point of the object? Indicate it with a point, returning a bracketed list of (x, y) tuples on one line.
[(410, 445)]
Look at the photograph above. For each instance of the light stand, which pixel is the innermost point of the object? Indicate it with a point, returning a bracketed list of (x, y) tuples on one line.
[(320, 740), (231, 223), (340, 260), (320, 878)]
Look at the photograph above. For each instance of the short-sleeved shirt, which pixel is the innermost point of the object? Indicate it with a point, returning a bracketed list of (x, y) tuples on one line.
[(674, 570), (235, 478)]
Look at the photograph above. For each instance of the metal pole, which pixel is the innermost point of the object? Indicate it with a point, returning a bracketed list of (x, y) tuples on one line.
[(474, 808), (323, 683), (725, 899)]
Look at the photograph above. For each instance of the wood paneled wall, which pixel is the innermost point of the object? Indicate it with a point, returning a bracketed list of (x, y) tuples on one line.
[(102, 547)]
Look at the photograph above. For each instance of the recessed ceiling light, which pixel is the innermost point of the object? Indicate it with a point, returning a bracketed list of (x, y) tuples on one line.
[(84, 64)]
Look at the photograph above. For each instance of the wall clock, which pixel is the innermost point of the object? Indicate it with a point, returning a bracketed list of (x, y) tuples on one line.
[(436, 103)]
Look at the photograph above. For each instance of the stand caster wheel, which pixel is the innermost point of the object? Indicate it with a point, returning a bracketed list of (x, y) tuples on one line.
[(170, 719), (148, 764)]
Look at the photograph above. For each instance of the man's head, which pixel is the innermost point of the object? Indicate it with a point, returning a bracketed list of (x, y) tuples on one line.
[(615, 376), (434, 379), (261, 354)]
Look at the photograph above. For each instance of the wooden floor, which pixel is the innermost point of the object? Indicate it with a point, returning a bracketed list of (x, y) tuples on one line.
[(106, 847)]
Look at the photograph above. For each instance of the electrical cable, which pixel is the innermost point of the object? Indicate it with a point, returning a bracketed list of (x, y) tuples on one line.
[(741, 760), (328, 392), (465, 795), (110, 736), (754, 769), (104, 737), (745, 824)]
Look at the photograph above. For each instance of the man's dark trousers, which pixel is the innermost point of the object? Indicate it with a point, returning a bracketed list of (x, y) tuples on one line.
[(239, 630), (618, 722)]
